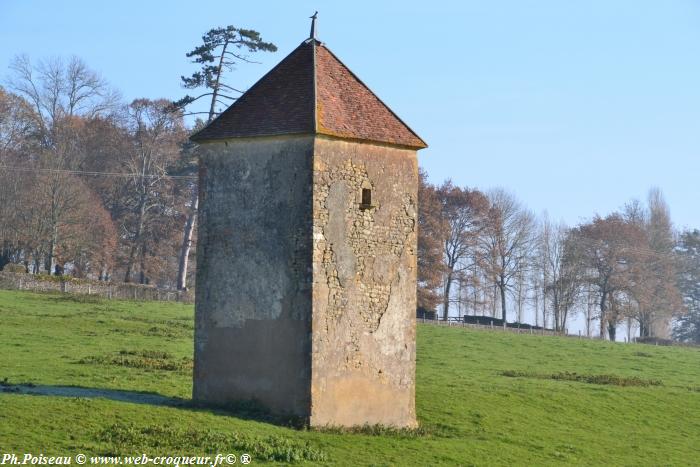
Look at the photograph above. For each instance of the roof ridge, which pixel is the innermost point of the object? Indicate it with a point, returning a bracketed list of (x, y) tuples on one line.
[(368, 89), (315, 112)]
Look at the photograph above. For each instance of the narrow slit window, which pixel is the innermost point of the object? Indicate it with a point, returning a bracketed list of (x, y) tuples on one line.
[(366, 197)]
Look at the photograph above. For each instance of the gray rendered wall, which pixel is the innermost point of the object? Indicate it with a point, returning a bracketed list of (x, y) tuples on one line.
[(253, 303)]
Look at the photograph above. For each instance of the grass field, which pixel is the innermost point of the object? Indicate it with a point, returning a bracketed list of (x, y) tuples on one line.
[(483, 398)]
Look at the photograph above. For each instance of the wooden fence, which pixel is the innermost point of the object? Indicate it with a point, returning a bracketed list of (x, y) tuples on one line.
[(459, 323)]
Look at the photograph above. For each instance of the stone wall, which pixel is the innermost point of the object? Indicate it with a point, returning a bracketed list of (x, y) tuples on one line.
[(306, 297), (364, 264), (115, 290), (253, 304)]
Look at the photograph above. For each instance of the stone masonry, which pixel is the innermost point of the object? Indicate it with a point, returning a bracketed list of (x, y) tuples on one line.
[(364, 276)]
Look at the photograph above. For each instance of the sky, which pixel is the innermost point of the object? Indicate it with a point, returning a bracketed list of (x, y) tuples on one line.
[(575, 107)]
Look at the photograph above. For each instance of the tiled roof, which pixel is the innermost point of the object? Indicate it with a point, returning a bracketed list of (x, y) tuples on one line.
[(311, 92)]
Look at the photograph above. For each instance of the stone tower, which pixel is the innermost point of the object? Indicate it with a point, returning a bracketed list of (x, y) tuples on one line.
[(306, 257)]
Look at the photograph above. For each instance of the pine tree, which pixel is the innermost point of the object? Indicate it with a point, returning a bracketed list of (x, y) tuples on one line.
[(687, 328), (221, 49)]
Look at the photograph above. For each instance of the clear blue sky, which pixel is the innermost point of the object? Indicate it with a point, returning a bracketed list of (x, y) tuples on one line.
[(576, 107)]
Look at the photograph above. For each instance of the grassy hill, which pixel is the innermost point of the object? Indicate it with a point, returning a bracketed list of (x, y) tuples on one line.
[(483, 398)]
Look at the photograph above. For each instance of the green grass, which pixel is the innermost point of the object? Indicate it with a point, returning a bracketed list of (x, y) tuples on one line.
[(483, 398)]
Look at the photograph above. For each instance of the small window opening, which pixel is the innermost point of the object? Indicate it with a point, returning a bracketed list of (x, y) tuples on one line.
[(366, 197)]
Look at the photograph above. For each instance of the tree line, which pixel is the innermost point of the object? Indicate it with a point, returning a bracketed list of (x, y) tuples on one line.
[(486, 254), (98, 188)]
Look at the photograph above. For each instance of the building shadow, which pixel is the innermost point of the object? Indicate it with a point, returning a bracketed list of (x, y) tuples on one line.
[(246, 410), (134, 397)]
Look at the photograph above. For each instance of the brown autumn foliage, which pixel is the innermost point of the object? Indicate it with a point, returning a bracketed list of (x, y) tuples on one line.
[(60, 212), (464, 215), (431, 232)]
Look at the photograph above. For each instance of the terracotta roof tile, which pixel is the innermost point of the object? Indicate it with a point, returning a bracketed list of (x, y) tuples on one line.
[(347, 108), (288, 100)]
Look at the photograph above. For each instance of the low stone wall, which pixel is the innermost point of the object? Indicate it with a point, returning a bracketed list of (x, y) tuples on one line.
[(124, 291)]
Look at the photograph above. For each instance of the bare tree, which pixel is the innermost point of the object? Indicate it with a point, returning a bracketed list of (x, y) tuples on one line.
[(464, 213), (507, 242), (157, 131), (564, 271), (59, 89), (653, 294)]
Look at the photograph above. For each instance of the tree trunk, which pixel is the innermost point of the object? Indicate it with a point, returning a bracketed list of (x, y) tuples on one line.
[(52, 251), (446, 296), (603, 299), (502, 288), (216, 86), (137, 239), (142, 273), (563, 321), (187, 242), (537, 307), (629, 329), (544, 302), (644, 328), (611, 331)]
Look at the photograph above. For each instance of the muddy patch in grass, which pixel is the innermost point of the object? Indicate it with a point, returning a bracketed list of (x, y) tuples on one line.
[(143, 359), (613, 380), (155, 331), (123, 437), (171, 332), (175, 323)]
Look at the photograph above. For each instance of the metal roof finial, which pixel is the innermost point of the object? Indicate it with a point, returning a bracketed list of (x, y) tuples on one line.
[(312, 34)]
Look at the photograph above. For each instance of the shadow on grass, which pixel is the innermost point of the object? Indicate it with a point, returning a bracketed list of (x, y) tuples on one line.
[(246, 410), (134, 397)]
